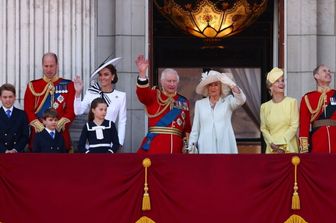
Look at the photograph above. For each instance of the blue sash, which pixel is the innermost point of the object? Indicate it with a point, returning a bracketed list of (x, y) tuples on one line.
[(166, 120), (60, 88)]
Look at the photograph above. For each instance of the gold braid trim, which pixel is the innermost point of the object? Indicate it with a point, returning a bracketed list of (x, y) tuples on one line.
[(168, 102), (38, 126), (146, 206), (320, 105), (34, 92), (61, 124), (295, 196), (49, 88)]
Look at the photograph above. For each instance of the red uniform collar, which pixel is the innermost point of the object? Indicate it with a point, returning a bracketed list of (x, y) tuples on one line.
[(54, 79), (323, 89)]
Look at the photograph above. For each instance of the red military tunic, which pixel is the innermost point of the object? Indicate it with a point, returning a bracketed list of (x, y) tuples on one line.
[(168, 138), (57, 93), (318, 122)]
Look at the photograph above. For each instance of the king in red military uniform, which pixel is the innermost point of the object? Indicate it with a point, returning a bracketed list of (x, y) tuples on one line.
[(317, 131), (168, 112), (50, 91)]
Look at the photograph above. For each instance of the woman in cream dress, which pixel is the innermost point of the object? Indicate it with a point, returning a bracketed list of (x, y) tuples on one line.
[(212, 130), (279, 117)]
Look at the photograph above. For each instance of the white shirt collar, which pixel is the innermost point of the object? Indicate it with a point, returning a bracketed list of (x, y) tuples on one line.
[(5, 109), (49, 131)]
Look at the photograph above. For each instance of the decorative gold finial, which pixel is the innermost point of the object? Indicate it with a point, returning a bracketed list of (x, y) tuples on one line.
[(146, 162), (146, 200), (295, 160), (143, 219), (295, 197), (295, 219)]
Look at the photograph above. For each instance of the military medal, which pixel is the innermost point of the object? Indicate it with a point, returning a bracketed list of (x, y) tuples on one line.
[(174, 104), (60, 99), (185, 106), (55, 105), (332, 101), (183, 115), (179, 122)]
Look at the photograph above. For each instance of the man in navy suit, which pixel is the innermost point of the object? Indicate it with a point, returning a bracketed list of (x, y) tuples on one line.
[(14, 128)]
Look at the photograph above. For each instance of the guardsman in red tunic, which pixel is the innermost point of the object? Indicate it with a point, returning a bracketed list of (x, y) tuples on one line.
[(168, 112), (50, 91), (318, 115)]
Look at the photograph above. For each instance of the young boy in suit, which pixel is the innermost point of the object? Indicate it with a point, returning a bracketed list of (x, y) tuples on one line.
[(49, 140), (14, 128)]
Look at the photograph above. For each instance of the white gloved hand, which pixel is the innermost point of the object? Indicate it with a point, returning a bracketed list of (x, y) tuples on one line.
[(226, 80), (192, 149)]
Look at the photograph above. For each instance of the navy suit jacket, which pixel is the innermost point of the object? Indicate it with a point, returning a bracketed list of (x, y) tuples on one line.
[(14, 131), (44, 143)]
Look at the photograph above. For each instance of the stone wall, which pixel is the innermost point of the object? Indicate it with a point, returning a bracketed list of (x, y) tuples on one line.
[(121, 31), (310, 41)]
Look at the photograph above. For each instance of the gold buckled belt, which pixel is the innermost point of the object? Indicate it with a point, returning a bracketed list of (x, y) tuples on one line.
[(165, 130), (324, 122)]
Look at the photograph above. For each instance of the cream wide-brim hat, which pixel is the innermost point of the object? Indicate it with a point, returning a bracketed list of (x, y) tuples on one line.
[(210, 77)]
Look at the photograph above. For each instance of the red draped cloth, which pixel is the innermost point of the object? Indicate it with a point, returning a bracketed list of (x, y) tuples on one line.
[(42, 188)]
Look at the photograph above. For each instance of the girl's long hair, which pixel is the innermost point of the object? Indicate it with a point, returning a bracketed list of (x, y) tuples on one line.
[(94, 105)]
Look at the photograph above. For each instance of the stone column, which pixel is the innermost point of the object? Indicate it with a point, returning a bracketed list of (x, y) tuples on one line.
[(130, 42), (301, 46), (326, 34)]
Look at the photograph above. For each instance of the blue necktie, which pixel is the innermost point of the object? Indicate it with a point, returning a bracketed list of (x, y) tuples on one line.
[(9, 113), (52, 134)]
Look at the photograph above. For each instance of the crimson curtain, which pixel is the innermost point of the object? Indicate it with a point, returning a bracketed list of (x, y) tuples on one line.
[(183, 188)]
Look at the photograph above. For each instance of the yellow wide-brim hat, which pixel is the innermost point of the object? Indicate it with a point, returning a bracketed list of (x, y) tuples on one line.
[(274, 74), (210, 77)]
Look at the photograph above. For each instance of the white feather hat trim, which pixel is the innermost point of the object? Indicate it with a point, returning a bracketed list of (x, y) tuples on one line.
[(210, 77)]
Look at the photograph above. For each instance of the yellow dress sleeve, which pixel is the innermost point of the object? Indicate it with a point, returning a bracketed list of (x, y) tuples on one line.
[(263, 128), (290, 133)]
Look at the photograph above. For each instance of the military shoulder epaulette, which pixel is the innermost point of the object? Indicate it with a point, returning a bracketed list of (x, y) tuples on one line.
[(65, 81), (182, 97), (310, 92), (36, 80)]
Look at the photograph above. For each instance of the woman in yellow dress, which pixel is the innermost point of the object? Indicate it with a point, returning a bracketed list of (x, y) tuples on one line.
[(279, 117)]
